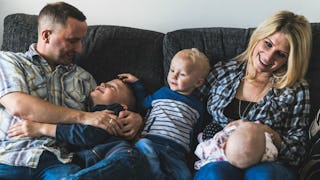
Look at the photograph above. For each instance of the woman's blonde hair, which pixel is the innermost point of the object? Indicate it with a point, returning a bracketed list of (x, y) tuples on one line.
[(297, 31)]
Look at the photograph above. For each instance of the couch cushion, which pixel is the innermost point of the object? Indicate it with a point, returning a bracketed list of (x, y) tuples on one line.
[(19, 31), (313, 74), (217, 43), (107, 50), (225, 43)]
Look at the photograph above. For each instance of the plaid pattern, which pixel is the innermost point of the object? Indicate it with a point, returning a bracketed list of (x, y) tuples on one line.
[(29, 73), (285, 110)]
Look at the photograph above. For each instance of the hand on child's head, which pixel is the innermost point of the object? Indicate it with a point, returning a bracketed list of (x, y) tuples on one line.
[(127, 77), (120, 76)]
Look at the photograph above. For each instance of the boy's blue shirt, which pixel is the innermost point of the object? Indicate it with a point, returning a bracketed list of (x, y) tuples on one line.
[(85, 136), (89, 143)]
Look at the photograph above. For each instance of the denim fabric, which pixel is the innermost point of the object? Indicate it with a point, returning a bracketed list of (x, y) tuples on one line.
[(121, 162), (165, 161), (85, 136), (49, 168), (222, 170), (146, 148), (88, 157)]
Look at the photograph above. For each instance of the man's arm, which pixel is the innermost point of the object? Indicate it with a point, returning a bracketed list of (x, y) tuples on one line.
[(75, 134), (32, 108), (35, 109)]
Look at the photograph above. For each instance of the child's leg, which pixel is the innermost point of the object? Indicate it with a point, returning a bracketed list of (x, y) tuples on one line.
[(121, 162), (174, 163), (145, 146), (51, 168)]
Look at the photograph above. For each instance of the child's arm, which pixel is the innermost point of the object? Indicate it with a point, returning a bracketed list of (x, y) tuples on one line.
[(32, 129), (75, 134), (138, 89), (127, 77), (81, 135)]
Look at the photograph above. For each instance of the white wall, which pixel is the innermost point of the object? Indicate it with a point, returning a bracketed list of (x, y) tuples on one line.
[(168, 15)]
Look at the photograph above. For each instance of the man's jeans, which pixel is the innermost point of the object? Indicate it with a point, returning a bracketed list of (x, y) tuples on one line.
[(49, 168)]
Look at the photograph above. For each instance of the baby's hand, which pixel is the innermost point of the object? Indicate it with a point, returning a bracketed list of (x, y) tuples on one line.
[(128, 78), (25, 129)]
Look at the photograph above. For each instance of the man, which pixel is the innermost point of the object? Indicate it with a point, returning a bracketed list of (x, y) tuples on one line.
[(32, 86)]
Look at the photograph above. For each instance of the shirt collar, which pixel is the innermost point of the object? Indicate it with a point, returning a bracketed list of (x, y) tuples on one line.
[(36, 58)]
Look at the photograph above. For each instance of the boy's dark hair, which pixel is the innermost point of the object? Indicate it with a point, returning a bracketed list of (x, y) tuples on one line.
[(60, 11)]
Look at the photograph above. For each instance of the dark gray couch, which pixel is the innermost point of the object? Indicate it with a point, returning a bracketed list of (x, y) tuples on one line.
[(109, 50)]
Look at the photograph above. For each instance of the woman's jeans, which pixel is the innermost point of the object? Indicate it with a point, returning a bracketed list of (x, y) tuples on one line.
[(49, 168), (222, 170), (166, 160)]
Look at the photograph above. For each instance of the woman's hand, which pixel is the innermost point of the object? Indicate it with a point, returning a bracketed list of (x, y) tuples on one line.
[(275, 136), (236, 123)]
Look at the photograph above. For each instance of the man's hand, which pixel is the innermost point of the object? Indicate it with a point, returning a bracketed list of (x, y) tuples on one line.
[(106, 120), (132, 123)]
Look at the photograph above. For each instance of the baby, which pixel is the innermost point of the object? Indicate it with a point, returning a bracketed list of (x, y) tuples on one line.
[(243, 146)]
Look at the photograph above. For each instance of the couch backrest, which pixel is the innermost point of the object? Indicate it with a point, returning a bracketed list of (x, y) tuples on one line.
[(224, 43), (107, 50)]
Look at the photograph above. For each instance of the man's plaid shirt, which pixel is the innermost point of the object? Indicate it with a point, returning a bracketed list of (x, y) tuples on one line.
[(29, 73)]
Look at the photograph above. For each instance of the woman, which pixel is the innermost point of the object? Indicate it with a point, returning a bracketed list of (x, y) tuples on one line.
[(265, 83)]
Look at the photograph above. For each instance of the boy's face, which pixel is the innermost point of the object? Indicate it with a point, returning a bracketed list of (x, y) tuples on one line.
[(183, 77), (109, 92)]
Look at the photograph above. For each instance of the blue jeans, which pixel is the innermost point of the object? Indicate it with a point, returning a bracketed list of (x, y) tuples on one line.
[(165, 159), (222, 170), (121, 162), (49, 168)]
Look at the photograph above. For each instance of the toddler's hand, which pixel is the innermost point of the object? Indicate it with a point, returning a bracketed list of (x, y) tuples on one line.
[(127, 77)]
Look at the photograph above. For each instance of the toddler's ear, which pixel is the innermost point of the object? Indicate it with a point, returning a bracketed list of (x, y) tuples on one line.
[(199, 82)]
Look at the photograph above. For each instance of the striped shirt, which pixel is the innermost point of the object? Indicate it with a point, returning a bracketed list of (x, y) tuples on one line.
[(284, 110), (172, 116), (29, 73)]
